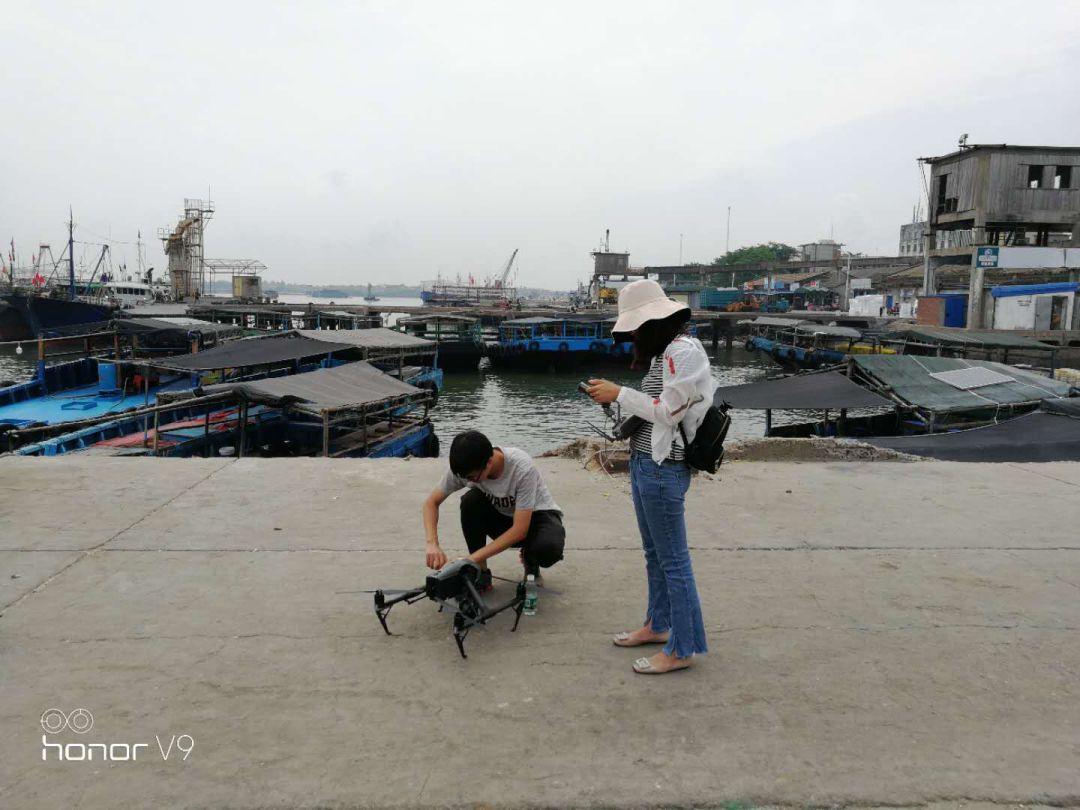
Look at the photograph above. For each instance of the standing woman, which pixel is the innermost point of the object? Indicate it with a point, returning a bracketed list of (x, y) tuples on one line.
[(676, 393)]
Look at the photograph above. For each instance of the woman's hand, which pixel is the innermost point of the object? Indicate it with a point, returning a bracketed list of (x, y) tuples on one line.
[(603, 391)]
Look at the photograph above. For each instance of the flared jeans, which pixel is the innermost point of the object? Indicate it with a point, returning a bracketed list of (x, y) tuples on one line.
[(659, 492)]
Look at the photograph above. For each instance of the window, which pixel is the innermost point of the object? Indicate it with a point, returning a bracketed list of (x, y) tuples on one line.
[(1035, 175), (1063, 176), (942, 203)]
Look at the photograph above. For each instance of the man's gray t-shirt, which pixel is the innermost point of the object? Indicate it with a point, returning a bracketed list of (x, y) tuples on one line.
[(519, 487)]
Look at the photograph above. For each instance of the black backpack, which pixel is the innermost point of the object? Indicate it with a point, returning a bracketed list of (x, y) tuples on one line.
[(706, 451)]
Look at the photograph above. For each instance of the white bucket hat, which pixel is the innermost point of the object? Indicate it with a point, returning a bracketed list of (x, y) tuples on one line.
[(643, 300)]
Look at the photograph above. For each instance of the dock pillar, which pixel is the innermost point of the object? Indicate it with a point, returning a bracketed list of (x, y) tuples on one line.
[(768, 422), (243, 429), (716, 336)]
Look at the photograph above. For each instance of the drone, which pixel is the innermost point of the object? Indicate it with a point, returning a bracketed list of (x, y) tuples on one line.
[(453, 588)]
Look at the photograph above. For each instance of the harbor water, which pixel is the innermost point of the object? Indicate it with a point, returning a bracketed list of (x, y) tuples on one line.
[(534, 411)]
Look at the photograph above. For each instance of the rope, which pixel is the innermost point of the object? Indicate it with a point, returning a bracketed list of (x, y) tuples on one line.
[(33, 340)]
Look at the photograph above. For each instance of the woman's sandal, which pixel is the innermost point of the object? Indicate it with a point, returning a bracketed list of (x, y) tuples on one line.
[(644, 666), (623, 640)]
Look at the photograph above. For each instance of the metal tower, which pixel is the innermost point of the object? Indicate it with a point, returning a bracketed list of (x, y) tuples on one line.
[(184, 245)]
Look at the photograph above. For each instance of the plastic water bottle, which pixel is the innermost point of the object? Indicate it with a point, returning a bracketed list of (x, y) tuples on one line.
[(530, 596)]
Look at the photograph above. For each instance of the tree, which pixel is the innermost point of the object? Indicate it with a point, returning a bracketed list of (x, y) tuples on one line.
[(769, 252)]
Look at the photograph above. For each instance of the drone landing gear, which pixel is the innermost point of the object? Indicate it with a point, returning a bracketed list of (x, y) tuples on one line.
[(472, 611)]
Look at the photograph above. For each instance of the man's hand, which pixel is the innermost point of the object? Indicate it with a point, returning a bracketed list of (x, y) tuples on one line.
[(603, 391), (435, 557)]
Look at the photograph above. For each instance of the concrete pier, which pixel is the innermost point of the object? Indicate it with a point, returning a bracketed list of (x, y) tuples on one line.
[(880, 634)]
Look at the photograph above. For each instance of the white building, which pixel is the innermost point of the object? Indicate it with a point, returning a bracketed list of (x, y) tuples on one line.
[(824, 250), (1036, 306)]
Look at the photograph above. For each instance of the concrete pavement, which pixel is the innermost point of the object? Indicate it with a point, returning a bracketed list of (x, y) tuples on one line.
[(880, 634)]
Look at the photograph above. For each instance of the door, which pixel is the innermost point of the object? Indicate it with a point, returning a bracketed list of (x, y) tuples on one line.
[(1043, 305), (1057, 311)]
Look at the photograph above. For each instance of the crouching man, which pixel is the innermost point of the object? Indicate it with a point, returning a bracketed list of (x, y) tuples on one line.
[(507, 501)]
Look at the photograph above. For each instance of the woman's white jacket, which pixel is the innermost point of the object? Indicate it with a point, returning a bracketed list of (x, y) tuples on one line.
[(687, 395)]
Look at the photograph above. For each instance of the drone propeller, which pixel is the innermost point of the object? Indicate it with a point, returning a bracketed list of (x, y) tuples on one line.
[(386, 591)]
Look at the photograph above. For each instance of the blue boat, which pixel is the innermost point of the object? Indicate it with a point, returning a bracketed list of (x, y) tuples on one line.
[(350, 409), (195, 417), (577, 341), (798, 345), (93, 390), (82, 389)]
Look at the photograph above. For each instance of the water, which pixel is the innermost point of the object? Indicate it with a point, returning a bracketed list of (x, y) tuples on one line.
[(533, 411), (541, 411)]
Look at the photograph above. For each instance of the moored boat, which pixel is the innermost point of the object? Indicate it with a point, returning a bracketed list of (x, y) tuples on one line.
[(573, 341)]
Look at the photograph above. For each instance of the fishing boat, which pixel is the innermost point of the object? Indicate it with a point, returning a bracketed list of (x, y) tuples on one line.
[(458, 337), (118, 381), (897, 395), (799, 345), (493, 292), (26, 315), (573, 341), (349, 410), (210, 410)]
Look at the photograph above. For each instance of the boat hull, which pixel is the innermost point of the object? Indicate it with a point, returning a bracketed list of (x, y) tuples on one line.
[(25, 317)]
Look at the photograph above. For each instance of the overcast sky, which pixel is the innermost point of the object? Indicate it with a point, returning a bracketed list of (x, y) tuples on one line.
[(382, 142)]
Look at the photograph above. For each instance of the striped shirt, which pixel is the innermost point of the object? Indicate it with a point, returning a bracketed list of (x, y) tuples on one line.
[(641, 441)]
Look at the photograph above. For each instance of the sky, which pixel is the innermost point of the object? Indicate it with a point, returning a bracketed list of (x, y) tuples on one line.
[(388, 142)]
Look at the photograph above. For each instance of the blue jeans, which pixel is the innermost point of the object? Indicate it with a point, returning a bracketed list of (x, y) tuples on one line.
[(659, 492)]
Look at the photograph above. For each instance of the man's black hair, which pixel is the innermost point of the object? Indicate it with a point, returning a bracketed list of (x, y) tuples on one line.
[(470, 451)]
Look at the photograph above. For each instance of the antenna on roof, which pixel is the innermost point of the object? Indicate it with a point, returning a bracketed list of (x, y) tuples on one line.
[(963, 141)]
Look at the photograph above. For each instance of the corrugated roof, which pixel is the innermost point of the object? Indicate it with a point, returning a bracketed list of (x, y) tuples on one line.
[(434, 318), (1032, 437), (830, 390), (957, 337), (766, 320), (352, 385), (172, 324), (831, 331), (377, 338), (258, 351), (908, 377)]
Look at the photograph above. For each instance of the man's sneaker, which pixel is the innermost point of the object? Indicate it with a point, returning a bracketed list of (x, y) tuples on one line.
[(483, 582)]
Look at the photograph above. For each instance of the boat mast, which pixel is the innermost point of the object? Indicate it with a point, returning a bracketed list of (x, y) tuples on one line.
[(71, 255)]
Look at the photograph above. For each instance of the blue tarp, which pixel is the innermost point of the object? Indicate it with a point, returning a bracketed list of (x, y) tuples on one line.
[(1011, 290)]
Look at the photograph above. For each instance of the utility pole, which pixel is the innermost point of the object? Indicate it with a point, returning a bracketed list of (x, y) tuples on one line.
[(847, 286), (71, 255)]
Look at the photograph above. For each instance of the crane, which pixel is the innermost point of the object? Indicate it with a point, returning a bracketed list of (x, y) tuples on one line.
[(501, 281)]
